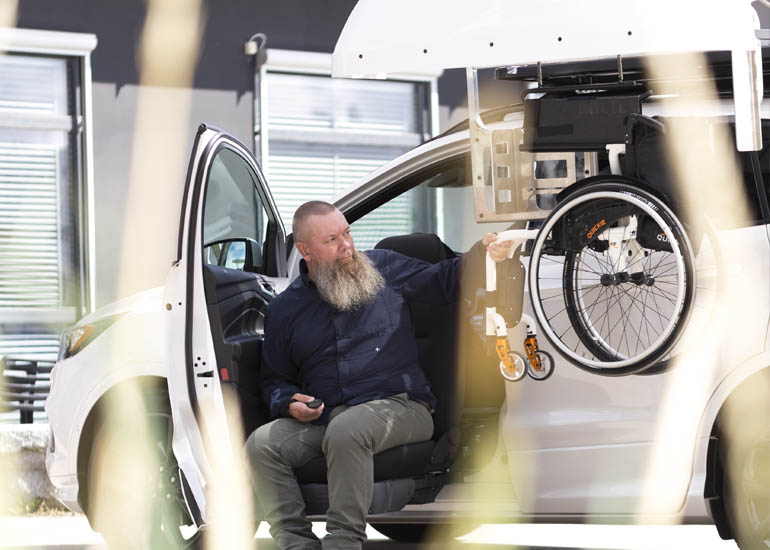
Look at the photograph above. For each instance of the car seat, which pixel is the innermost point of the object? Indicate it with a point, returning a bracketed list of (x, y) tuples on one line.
[(413, 473)]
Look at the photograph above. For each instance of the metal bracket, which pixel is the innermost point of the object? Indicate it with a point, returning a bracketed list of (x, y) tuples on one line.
[(505, 185), (615, 150)]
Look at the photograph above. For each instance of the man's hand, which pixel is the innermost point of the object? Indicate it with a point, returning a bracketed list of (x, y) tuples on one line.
[(302, 412), (498, 252)]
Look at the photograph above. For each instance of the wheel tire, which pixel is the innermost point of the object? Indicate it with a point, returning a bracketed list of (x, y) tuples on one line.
[(745, 460), (134, 486), (570, 318), (519, 367), (424, 532), (547, 360)]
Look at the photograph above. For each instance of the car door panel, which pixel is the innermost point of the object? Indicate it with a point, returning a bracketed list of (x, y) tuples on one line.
[(195, 331), (237, 302)]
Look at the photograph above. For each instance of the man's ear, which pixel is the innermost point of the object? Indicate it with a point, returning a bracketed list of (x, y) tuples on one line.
[(303, 249)]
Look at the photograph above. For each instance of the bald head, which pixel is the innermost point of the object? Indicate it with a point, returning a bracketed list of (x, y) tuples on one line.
[(299, 225)]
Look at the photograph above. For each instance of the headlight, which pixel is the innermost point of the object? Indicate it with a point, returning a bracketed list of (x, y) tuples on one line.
[(75, 339)]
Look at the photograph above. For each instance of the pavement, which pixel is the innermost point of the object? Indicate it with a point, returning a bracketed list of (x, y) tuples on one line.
[(72, 532)]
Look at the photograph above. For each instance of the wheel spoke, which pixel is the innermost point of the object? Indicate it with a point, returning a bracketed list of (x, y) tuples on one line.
[(663, 256), (625, 320), (662, 295)]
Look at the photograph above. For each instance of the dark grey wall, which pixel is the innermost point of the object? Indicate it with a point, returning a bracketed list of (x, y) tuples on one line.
[(309, 25)]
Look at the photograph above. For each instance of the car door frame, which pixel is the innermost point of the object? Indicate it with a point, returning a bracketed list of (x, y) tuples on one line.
[(197, 402)]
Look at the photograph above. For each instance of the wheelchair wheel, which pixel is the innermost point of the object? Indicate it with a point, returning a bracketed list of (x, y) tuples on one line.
[(546, 366), (517, 368), (612, 278)]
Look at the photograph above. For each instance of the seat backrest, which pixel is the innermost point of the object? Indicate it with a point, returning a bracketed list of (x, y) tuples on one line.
[(435, 329)]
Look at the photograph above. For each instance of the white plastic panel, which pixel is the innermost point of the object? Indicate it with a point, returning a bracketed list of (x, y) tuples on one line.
[(747, 91), (404, 36)]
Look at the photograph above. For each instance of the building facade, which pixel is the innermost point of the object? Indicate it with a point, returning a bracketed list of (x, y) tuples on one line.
[(99, 103)]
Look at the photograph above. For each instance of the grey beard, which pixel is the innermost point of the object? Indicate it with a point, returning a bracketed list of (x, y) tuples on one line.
[(348, 286)]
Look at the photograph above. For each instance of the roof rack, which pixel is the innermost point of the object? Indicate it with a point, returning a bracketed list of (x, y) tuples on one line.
[(583, 106), (619, 72)]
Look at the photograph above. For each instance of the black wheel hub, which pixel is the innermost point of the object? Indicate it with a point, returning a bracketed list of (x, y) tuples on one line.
[(614, 279)]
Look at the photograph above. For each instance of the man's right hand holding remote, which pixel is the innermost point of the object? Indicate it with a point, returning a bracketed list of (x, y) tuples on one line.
[(299, 410)]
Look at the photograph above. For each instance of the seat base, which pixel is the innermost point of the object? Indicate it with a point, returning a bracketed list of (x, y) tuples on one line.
[(390, 495), (404, 461)]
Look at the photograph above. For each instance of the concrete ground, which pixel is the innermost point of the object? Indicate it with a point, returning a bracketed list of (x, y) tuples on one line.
[(73, 533)]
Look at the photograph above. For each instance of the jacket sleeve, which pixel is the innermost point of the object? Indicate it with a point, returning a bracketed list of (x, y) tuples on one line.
[(279, 375), (438, 283)]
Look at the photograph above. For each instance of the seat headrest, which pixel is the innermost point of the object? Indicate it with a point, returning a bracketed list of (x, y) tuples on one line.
[(423, 246)]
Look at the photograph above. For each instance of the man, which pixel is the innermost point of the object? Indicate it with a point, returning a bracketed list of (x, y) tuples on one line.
[(341, 333)]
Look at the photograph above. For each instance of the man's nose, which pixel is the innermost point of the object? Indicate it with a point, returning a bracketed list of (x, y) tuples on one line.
[(346, 242)]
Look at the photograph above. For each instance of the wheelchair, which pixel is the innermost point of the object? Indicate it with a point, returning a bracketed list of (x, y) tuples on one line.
[(620, 272)]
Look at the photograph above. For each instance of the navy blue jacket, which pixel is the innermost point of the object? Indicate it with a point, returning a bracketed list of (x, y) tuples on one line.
[(351, 357)]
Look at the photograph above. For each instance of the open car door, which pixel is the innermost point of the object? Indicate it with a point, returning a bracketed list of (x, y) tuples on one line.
[(230, 236)]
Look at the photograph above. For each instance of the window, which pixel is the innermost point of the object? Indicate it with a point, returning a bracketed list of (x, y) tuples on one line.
[(234, 219), (44, 188), (320, 135), (444, 191)]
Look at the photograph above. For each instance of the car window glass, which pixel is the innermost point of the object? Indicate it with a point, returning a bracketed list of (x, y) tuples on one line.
[(234, 218), (441, 202), (409, 212)]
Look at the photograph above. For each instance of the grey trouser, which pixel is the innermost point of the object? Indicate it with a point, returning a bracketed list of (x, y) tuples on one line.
[(352, 436)]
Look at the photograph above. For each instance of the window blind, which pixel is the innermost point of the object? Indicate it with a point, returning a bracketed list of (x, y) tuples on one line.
[(36, 214), (326, 134), (32, 86), (32, 346), (29, 247)]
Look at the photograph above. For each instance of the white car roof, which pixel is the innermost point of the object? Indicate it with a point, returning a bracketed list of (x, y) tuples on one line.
[(427, 36), (442, 147)]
